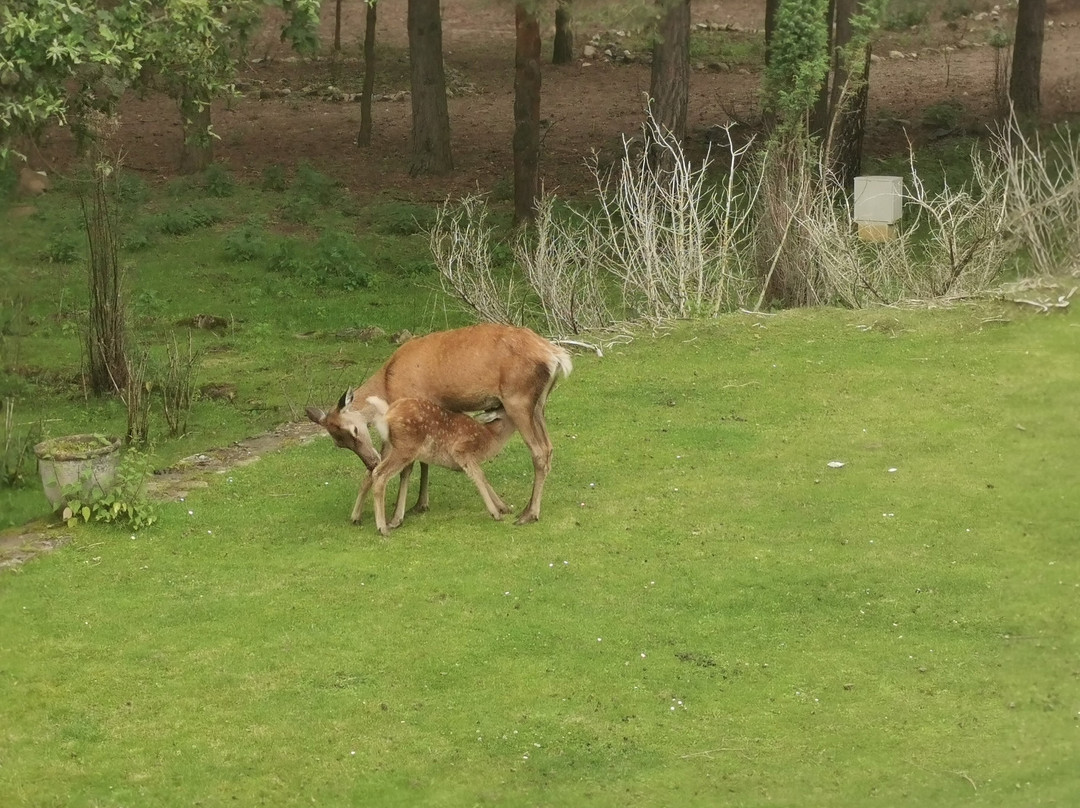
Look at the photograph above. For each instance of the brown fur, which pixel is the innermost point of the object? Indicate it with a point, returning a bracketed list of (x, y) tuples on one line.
[(420, 430), (463, 370)]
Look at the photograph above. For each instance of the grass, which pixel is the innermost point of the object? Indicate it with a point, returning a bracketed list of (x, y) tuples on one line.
[(707, 614), (288, 340)]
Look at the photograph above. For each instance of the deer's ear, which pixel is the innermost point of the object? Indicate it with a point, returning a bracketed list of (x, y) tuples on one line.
[(315, 414), (345, 400)]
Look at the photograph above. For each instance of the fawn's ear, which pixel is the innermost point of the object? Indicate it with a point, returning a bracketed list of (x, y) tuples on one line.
[(345, 400), (316, 415)]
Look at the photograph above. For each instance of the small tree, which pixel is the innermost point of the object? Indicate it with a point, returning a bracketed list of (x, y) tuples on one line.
[(106, 334), (563, 47), (363, 137)]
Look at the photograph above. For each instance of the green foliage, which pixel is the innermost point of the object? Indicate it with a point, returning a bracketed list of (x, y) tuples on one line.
[(299, 208), (63, 248), (17, 441), (273, 179), (184, 219), (946, 116), (218, 182), (401, 219), (315, 185), (798, 63), (904, 14), (248, 242), (125, 503)]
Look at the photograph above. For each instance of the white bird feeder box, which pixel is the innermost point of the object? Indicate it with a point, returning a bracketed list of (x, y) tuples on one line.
[(878, 206)]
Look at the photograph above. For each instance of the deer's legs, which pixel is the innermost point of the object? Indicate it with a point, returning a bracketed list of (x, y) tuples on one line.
[(358, 506), (403, 490), (529, 421), (495, 506), (421, 505)]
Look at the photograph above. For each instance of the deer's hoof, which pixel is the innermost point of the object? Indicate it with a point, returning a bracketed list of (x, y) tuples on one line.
[(527, 518), (420, 507)]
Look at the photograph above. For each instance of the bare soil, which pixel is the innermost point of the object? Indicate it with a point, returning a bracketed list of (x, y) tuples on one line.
[(295, 109)]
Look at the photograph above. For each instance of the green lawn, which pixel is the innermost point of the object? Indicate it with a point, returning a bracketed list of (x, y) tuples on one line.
[(706, 614)]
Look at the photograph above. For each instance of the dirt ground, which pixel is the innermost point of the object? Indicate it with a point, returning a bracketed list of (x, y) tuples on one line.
[(290, 111)]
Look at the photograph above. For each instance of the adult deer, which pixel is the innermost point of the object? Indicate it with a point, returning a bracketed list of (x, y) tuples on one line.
[(413, 430), (480, 367)]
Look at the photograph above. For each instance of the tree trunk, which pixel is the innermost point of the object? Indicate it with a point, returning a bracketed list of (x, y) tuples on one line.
[(771, 7), (1027, 57), (526, 114), (824, 110), (197, 150), (337, 26), (670, 85), (849, 101), (363, 137), (563, 52), (430, 118)]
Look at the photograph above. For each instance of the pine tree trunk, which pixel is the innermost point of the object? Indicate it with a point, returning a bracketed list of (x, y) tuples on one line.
[(670, 84), (563, 51), (430, 117), (197, 150), (824, 110), (363, 137), (526, 114), (849, 101), (1027, 57)]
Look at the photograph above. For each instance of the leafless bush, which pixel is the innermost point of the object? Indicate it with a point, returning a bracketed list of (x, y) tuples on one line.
[(460, 242), (560, 258), (135, 392), (178, 385), (951, 244), (674, 241), (1042, 192)]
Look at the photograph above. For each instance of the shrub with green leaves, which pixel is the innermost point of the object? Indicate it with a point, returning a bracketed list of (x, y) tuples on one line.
[(248, 242), (62, 248), (315, 185), (218, 182), (273, 179), (180, 221), (125, 502)]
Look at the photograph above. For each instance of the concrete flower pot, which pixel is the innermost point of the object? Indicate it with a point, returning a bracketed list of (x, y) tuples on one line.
[(88, 461)]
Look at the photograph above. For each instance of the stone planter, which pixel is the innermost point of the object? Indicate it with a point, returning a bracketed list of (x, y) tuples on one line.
[(88, 461)]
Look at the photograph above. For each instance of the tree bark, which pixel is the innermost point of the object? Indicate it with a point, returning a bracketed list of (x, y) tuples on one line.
[(1027, 58), (822, 115), (849, 101), (337, 26), (363, 137), (563, 51), (526, 114), (430, 118), (197, 150), (771, 7), (670, 84)]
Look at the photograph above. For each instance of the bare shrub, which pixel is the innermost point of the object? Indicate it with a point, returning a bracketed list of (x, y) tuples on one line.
[(461, 244), (674, 241), (1042, 193), (560, 257), (178, 385)]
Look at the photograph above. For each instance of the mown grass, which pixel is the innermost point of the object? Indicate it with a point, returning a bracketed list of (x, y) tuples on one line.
[(707, 614), (295, 295)]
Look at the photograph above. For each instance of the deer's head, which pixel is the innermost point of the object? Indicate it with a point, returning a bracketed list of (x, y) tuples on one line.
[(348, 428)]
